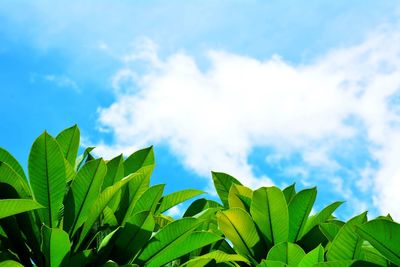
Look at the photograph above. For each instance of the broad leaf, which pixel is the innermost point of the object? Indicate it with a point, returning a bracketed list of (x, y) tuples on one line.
[(81, 159), (222, 184), (133, 236), (99, 205), (218, 256), (149, 200), (47, 177), (139, 159), (68, 140), (115, 172), (330, 230), (83, 193), (240, 197), (270, 212), (182, 245), (347, 244), (176, 198), (12, 162), (10, 263), (9, 207), (286, 252), (167, 239), (320, 217), (9, 176), (299, 208), (199, 205), (384, 235), (289, 192), (313, 257), (136, 187), (239, 228), (56, 246)]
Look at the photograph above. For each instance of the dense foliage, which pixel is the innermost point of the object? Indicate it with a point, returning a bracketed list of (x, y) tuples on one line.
[(85, 211)]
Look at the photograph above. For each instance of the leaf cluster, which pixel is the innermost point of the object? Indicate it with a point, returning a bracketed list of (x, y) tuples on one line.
[(81, 210)]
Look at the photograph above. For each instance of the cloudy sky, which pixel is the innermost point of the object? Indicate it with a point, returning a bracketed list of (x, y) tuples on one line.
[(272, 92)]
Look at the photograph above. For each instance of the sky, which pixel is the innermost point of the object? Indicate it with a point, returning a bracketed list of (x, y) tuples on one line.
[(271, 92)]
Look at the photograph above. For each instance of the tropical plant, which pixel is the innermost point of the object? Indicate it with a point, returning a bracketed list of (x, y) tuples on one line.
[(86, 211), (77, 211)]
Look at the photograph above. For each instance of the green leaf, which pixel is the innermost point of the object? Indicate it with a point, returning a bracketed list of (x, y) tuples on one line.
[(139, 159), (9, 207), (239, 228), (384, 235), (56, 246), (100, 204), (372, 255), (136, 187), (289, 192), (83, 193), (240, 197), (10, 263), (68, 140), (115, 172), (218, 256), (330, 230), (9, 176), (149, 200), (199, 205), (81, 159), (133, 236), (286, 252), (12, 162), (338, 263), (47, 177), (299, 208), (222, 184), (109, 217), (269, 263), (182, 245), (270, 213), (320, 217), (176, 198), (313, 257), (347, 244)]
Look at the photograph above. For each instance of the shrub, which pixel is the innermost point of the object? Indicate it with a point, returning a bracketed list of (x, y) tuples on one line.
[(85, 211)]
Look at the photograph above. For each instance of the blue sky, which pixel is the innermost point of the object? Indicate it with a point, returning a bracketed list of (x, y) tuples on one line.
[(273, 92)]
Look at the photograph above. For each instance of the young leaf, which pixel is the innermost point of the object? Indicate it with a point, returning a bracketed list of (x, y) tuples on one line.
[(56, 246), (240, 197), (47, 177), (81, 159), (270, 212), (347, 244), (384, 235), (239, 228), (68, 140), (9, 207), (222, 184)]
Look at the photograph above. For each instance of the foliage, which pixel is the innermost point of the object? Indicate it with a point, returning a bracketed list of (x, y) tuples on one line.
[(75, 210)]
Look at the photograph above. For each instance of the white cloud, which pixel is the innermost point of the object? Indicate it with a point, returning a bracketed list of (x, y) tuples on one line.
[(212, 119)]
